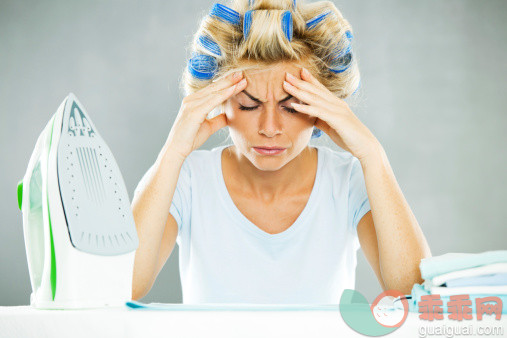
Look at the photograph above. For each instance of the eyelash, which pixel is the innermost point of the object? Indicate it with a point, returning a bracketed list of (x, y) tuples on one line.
[(290, 110)]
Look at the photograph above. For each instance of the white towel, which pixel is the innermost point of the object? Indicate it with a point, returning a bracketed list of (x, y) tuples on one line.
[(469, 290), (481, 270)]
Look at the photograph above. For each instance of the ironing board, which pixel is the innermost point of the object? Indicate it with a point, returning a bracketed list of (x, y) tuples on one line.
[(181, 320)]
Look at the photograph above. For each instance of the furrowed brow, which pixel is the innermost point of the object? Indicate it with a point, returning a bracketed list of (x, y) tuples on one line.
[(259, 101)]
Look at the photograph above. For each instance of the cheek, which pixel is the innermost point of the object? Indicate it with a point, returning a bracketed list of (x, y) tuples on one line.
[(301, 120), (233, 115), (300, 127), (241, 121), (231, 111)]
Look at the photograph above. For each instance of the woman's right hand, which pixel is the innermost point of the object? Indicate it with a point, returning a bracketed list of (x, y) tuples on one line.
[(191, 127)]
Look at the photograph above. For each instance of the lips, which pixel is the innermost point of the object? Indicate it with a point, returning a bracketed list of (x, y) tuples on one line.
[(269, 150)]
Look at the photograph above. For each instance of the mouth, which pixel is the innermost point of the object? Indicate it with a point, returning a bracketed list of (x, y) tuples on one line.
[(269, 150)]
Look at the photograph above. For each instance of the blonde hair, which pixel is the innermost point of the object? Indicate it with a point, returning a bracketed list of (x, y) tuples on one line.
[(266, 43), (313, 43)]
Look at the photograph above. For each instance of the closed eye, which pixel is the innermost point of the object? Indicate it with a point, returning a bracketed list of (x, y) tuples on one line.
[(247, 108), (290, 110)]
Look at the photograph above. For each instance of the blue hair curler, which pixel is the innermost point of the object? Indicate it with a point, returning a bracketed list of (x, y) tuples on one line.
[(358, 86), (342, 60), (316, 132), (343, 52), (316, 19), (225, 14), (287, 24), (251, 2), (341, 64), (247, 23), (209, 44), (202, 66)]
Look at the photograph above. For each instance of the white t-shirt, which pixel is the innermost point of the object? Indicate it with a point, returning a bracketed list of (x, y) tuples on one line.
[(225, 258)]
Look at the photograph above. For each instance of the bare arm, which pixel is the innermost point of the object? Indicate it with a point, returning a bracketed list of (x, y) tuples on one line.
[(401, 242), (156, 227), (150, 207), (368, 240)]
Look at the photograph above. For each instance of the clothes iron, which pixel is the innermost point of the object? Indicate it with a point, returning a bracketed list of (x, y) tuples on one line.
[(78, 226)]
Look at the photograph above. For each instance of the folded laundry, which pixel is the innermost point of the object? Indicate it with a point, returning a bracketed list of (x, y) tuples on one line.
[(471, 272), (478, 279), (482, 289), (438, 265), (484, 280), (415, 300)]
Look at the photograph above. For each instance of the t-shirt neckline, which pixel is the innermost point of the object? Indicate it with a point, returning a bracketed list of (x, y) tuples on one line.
[(245, 222)]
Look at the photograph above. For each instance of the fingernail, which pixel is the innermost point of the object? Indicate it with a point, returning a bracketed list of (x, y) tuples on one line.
[(306, 72), (290, 76)]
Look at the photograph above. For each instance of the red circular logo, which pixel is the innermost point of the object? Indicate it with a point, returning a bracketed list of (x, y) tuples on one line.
[(384, 310)]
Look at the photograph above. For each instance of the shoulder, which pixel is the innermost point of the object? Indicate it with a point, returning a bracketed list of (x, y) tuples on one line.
[(337, 160), (339, 172), (199, 155), (202, 160)]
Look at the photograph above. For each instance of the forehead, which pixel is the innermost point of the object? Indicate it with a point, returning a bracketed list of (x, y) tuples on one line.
[(266, 82), (260, 72)]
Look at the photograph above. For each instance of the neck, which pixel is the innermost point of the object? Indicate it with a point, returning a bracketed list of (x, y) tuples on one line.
[(272, 185)]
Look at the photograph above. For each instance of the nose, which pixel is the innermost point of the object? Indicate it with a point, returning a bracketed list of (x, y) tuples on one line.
[(270, 122)]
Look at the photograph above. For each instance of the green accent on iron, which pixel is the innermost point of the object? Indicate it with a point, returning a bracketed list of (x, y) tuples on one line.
[(20, 194), (53, 256)]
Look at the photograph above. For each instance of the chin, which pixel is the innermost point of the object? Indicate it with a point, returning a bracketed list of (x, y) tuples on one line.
[(268, 163), (268, 167)]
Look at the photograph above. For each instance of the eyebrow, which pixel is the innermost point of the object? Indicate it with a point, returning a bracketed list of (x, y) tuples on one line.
[(259, 101)]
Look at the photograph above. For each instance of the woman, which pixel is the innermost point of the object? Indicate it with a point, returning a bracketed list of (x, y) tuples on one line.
[(270, 219)]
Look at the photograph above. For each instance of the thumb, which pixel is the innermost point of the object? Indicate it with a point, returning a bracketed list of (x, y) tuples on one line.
[(216, 123), (209, 127), (322, 125)]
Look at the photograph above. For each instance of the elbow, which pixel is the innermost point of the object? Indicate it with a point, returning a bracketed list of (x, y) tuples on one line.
[(137, 294), (404, 281), (139, 289)]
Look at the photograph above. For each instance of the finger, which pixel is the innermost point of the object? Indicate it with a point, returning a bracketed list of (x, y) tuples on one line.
[(305, 96), (305, 85), (325, 127), (209, 127), (220, 84), (322, 125), (222, 95), (216, 123), (306, 109), (208, 103), (308, 76)]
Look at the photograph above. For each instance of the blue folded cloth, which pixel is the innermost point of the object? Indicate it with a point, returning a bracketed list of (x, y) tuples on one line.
[(418, 291), (437, 265), (133, 304), (481, 280)]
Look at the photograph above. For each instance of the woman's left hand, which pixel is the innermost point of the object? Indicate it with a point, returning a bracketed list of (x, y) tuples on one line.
[(334, 117)]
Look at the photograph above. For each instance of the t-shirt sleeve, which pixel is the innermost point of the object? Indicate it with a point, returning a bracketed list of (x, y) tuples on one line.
[(359, 203), (180, 205)]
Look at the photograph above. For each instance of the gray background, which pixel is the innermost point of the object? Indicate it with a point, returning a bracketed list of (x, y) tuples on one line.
[(433, 93)]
